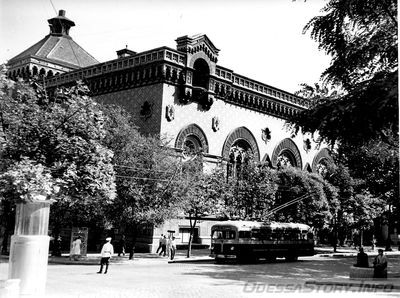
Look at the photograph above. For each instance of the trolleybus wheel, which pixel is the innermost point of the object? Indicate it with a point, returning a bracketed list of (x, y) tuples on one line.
[(291, 258)]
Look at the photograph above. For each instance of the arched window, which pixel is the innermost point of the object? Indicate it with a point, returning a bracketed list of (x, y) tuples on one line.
[(42, 72), (201, 73), (321, 160), (238, 156), (192, 138), (286, 158), (286, 153), (192, 144), (34, 71), (50, 74)]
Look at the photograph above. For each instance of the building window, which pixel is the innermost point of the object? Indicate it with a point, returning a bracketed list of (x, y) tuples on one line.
[(201, 73)]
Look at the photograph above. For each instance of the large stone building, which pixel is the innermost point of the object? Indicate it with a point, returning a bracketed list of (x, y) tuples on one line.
[(185, 95)]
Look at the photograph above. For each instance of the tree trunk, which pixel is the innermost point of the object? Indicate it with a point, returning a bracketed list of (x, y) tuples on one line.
[(192, 226), (132, 247), (335, 234)]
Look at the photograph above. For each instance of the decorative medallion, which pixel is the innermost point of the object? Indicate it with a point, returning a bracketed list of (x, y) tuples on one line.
[(307, 145), (215, 123), (265, 135), (146, 111), (170, 112)]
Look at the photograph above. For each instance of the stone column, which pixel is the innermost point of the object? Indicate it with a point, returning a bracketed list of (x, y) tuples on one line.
[(30, 247)]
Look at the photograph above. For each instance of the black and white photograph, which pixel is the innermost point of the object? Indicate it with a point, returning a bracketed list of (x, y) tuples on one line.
[(199, 148)]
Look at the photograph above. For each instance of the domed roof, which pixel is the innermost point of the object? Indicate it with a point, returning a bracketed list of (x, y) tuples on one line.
[(58, 47)]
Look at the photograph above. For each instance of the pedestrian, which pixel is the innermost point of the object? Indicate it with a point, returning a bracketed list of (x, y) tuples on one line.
[(373, 242), (132, 251), (380, 265), (160, 243), (121, 247), (172, 248), (362, 259), (75, 252), (57, 247), (106, 253), (169, 246), (163, 246)]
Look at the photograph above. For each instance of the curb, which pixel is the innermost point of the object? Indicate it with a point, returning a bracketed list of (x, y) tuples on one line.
[(337, 255), (354, 254), (192, 260)]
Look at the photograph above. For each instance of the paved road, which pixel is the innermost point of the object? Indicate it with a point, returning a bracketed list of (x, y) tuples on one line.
[(157, 278)]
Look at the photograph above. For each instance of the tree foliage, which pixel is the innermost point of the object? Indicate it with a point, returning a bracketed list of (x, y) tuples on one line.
[(200, 194), (145, 169), (361, 37), (252, 192), (62, 133), (319, 204)]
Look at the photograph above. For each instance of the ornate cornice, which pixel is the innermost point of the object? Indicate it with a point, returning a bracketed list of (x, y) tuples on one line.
[(165, 65)]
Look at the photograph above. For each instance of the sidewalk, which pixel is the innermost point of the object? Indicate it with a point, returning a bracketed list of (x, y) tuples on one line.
[(352, 252), (197, 255)]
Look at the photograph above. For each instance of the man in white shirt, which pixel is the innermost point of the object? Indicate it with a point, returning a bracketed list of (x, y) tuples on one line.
[(106, 252)]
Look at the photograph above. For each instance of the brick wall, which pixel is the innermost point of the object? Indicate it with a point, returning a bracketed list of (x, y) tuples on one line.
[(133, 100)]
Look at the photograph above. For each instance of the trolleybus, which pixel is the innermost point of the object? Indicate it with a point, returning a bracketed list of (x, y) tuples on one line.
[(251, 240)]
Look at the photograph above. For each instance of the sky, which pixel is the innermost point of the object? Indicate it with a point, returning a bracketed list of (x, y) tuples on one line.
[(260, 39)]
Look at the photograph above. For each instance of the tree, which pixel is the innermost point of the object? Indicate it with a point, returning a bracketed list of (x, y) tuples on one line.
[(201, 194), (145, 170), (361, 37), (317, 209), (253, 191), (62, 132), (374, 167)]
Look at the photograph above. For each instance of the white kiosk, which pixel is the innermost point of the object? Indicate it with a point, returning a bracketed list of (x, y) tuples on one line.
[(30, 247)]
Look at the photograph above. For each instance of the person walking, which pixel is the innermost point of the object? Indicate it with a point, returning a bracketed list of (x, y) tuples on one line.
[(380, 265), (57, 247), (169, 246), (106, 253), (172, 248), (121, 248), (75, 252), (160, 243), (163, 246)]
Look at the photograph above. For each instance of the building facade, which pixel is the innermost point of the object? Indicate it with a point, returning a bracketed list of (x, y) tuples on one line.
[(186, 96)]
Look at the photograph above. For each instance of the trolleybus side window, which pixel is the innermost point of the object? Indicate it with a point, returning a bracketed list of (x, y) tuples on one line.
[(255, 234), (293, 233), (244, 234), (304, 234), (265, 233), (310, 236)]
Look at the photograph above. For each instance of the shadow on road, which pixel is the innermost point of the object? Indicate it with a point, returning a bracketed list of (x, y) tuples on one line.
[(331, 268)]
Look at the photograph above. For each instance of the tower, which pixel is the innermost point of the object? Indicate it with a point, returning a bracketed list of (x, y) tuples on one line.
[(55, 54)]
